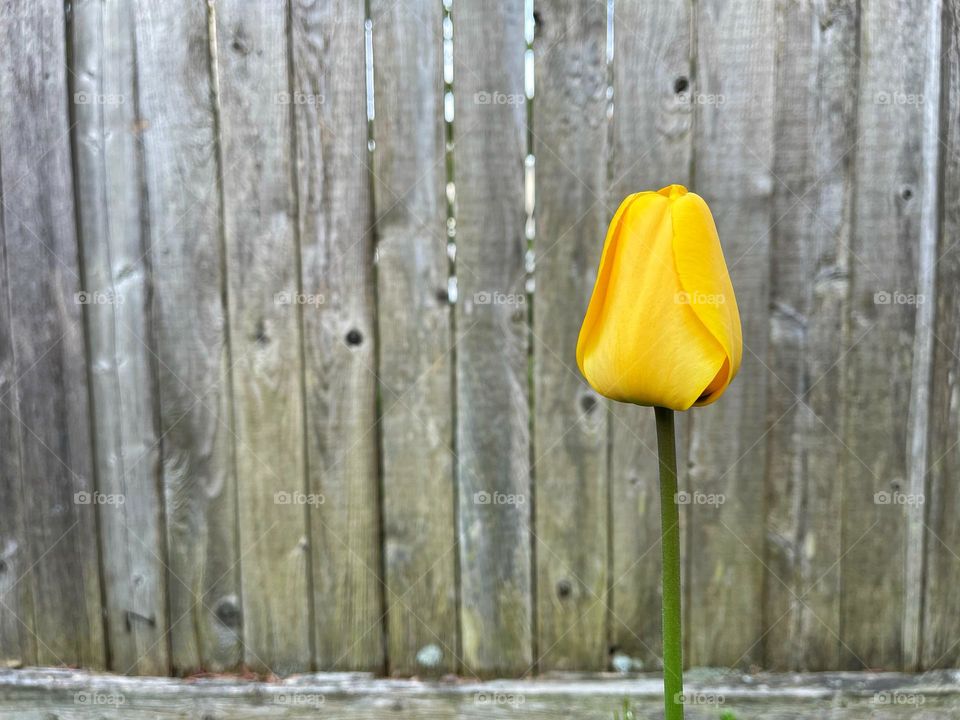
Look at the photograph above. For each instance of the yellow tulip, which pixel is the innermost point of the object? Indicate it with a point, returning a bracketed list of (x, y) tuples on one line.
[(662, 327)]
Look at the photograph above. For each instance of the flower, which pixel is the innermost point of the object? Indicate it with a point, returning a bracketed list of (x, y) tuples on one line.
[(662, 327)]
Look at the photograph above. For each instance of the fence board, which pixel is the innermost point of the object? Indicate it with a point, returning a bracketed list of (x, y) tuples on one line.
[(733, 160), (492, 394), (816, 143), (340, 355), (887, 250), (414, 330), (941, 630), (264, 314), (116, 278), (180, 160), (17, 642), (51, 404), (570, 423), (650, 149)]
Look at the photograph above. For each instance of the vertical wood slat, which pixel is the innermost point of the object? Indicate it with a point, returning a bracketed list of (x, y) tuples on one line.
[(264, 305), (492, 395), (652, 144), (941, 623), (178, 136), (815, 147), (49, 400), (887, 267), (117, 274), (570, 423), (733, 161), (340, 357), (414, 331)]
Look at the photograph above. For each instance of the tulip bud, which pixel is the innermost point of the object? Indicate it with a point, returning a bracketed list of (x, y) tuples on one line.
[(662, 327)]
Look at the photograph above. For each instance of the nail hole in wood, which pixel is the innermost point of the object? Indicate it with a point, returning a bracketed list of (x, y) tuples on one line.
[(681, 84), (564, 588), (354, 337)]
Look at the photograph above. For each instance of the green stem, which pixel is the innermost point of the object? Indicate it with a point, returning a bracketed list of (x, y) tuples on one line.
[(670, 546)]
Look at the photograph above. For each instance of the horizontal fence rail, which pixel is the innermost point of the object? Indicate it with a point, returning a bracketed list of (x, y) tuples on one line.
[(290, 297)]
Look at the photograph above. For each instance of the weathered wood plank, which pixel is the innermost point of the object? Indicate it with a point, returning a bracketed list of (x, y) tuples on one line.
[(883, 490), (570, 421), (264, 309), (492, 395), (941, 622), (734, 95), (50, 403), (17, 643), (815, 146), (70, 695), (414, 327), (180, 161), (116, 277), (652, 144), (340, 354)]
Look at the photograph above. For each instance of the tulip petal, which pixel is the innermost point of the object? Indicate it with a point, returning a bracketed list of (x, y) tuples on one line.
[(703, 274)]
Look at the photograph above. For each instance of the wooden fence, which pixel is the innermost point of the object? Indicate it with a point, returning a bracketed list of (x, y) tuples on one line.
[(285, 386)]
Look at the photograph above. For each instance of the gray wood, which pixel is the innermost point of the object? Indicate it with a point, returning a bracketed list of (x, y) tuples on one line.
[(340, 355), (70, 695), (941, 621), (652, 144), (733, 161), (264, 311), (56, 554), (889, 252), (816, 144), (17, 643), (415, 341), (177, 133), (570, 420), (493, 440), (117, 274)]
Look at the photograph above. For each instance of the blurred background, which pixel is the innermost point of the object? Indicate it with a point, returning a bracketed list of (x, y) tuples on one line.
[(290, 298)]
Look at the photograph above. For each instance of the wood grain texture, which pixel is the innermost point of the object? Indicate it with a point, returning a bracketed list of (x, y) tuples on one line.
[(888, 264), (17, 643), (50, 400), (264, 309), (493, 439), (734, 88), (941, 621), (415, 341), (570, 420), (178, 136), (72, 695), (650, 149), (116, 279), (340, 355), (815, 147)]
